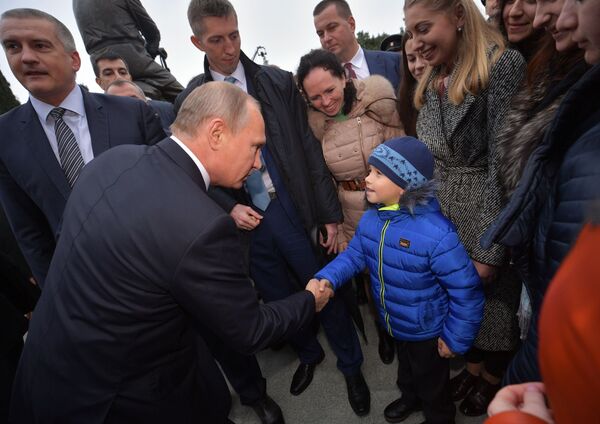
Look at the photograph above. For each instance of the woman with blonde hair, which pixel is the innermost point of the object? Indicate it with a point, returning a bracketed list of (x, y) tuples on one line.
[(463, 98)]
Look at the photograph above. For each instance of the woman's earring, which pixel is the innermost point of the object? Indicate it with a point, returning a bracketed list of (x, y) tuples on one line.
[(459, 29)]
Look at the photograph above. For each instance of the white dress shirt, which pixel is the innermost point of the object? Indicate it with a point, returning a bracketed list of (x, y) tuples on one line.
[(74, 117), (201, 167), (359, 64), (238, 74)]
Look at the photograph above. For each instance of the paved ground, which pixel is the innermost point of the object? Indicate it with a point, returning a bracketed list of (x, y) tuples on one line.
[(325, 400)]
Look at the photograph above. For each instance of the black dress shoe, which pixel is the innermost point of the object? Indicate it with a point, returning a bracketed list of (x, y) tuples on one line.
[(387, 345), (303, 376), (268, 411), (461, 385), (399, 410), (479, 398), (359, 395)]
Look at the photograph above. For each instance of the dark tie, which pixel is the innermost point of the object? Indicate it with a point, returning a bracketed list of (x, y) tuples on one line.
[(350, 74), (68, 149)]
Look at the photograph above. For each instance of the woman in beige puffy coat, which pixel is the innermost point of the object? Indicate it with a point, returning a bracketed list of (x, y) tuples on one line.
[(350, 118)]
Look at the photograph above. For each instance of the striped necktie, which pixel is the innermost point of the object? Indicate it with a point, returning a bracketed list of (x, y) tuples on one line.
[(350, 74), (71, 160)]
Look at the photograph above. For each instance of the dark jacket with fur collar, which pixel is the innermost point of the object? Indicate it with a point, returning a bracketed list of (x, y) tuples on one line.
[(560, 184)]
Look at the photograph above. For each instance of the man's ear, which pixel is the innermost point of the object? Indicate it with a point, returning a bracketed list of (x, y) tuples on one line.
[(217, 134), (75, 61), (196, 42), (98, 82), (352, 23)]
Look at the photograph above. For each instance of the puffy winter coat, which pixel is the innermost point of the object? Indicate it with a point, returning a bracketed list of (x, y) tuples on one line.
[(423, 281), (348, 144)]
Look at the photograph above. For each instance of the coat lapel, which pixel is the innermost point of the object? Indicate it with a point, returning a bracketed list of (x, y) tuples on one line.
[(37, 143), (453, 114), (97, 123)]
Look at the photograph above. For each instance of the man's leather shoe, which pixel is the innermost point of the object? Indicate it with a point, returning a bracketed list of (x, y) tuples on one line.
[(268, 411), (303, 376), (387, 345), (399, 410), (359, 395), (461, 385), (478, 399)]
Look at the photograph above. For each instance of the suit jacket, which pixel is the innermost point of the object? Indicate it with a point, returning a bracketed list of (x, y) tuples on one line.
[(165, 112), (386, 64), (33, 187), (144, 254)]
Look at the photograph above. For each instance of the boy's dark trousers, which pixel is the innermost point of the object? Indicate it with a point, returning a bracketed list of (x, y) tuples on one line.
[(423, 376)]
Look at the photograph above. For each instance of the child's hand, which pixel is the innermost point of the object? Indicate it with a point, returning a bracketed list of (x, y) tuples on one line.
[(444, 350)]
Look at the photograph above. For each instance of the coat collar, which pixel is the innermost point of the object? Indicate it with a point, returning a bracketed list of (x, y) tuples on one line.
[(183, 160), (37, 143)]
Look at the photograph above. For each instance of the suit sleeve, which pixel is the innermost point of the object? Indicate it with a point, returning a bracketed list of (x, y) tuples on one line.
[(327, 204), (152, 125), (455, 272), (211, 286), (29, 225), (145, 25)]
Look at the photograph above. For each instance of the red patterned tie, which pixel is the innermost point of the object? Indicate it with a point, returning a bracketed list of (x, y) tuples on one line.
[(350, 74)]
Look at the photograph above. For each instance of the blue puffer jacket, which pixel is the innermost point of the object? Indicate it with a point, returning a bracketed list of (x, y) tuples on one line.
[(422, 279), (559, 187)]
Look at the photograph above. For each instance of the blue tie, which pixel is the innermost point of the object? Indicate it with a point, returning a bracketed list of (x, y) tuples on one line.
[(256, 188)]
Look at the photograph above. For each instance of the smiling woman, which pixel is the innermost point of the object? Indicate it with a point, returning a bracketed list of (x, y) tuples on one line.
[(463, 98)]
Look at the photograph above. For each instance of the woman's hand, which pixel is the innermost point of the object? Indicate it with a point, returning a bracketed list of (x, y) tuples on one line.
[(487, 273)]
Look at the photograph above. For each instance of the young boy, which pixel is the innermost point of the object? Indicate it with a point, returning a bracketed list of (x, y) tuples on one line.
[(427, 291)]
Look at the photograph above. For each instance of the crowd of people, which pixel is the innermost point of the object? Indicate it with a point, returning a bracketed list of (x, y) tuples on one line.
[(172, 233)]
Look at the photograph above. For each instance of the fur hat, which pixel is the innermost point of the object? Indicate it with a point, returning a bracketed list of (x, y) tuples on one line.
[(404, 160)]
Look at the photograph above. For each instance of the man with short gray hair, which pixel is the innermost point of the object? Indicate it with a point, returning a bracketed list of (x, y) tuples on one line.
[(145, 258), (47, 141)]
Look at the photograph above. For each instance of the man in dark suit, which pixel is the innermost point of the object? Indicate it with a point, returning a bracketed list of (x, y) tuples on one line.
[(145, 256), (46, 142), (282, 204), (335, 27)]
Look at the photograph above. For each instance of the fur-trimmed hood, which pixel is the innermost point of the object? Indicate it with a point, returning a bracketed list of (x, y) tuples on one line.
[(530, 116), (374, 95)]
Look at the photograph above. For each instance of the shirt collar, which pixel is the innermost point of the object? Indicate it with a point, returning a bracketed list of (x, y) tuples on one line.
[(201, 167), (238, 74), (73, 103), (358, 59), (394, 207)]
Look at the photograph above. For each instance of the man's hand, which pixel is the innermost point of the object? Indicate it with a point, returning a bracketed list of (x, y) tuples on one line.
[(444, 350), (527, 397), (245, 217), (331, 242), (322, 291), (487, 273)]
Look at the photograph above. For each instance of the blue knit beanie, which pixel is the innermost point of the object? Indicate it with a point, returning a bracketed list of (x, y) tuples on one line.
[(404, 160)]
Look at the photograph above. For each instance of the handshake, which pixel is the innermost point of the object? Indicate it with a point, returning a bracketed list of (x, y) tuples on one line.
[(322, 290)]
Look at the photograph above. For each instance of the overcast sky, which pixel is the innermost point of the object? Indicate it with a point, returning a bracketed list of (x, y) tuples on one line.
[(284, 27)]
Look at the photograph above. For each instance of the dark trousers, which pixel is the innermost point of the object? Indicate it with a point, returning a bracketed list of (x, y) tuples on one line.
[(423, 376), (9, 359), (495, 361), (279, 244), (242, 371)]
